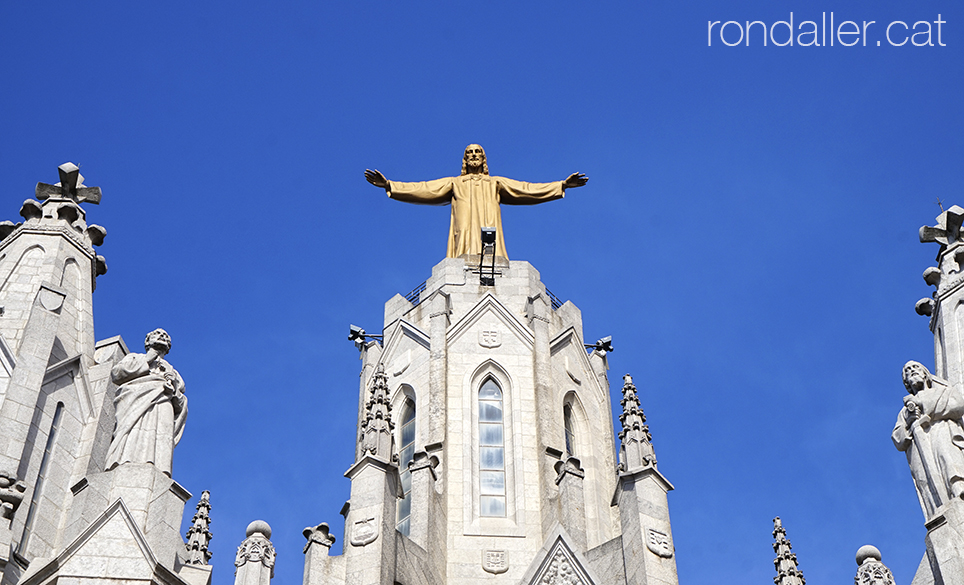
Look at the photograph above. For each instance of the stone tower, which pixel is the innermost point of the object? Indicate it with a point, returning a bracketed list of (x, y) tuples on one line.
[(66, 517), (51, 387), (930, 424), (486, 451)]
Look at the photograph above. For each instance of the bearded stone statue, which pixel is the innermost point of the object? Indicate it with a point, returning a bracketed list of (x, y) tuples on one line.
[(150, 406), (930, 430)]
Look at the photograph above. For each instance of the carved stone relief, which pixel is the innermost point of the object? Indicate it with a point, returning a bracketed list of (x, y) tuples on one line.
[(560, 572), (364, 532), (569, 370), (490, 338), (873, 573), (401, 363), (495, 561), (255, 549), (11, 494), (659, 543)]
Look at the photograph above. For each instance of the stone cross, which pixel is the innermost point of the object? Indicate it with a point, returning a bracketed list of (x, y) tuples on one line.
[(71, 186)]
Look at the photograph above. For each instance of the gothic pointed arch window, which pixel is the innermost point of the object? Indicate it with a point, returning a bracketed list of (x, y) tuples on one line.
[(406, 451), (570, 429), (492, 494)]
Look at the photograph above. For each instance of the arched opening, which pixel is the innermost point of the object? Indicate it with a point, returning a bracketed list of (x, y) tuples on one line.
[(406, 451), (570, 429), (492, 494)]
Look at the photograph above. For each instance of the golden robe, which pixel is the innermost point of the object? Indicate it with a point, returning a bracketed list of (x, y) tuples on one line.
[(475, 201)]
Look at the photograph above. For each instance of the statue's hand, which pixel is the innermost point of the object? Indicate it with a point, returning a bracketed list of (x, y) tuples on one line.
[(575, 180), (376, 178)]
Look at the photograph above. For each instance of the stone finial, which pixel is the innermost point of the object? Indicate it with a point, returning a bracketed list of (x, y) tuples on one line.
[(254, 563), (320, 534), (71, 186), (377, 436), (870, 571), (199, 534), (636, 447), (786, 561), (11, 494)]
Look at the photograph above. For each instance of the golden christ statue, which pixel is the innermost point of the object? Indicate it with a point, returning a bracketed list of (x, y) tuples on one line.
[(475, 197)]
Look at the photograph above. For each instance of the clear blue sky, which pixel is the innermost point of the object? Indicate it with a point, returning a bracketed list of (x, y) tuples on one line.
[(748, 236)]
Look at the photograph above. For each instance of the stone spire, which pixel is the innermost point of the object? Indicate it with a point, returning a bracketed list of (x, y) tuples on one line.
[(786, 561), (199, 534), (377, 436), (254, 563), (636, 449), (870, 571)]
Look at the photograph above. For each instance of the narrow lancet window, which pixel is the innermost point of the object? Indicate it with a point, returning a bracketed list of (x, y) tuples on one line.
[(405, 454), (42, 475), (570, 436), (491, 451)]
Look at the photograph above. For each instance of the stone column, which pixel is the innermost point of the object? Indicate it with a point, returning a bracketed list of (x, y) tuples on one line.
[(255, 560), (572, 501), (643, 508), (375, 489), (945, 543), (370, 522), (546, 415), (422, 468), (647, 538), (155, 501), (438, 360), (317, 559)]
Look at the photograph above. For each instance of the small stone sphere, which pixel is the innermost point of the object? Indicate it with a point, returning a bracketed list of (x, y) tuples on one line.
[(867, 551), (261, 527)]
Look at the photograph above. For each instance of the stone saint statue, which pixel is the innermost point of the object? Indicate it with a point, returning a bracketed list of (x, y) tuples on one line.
[(930, 430), (475, 198), (150, 406)]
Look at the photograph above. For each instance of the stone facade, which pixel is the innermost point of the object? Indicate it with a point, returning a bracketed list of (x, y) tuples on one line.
[(65, 519), (510, 472), (485, 449)]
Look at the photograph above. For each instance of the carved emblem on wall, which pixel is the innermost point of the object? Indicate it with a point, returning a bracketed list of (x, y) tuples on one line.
[(401, 363), (364, 532), (495, 561), (490, 338), (659, 543), (569, 370)]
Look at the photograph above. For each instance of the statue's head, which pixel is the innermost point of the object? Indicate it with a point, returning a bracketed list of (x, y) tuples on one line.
[(159, 340), (916, 376), (473, 161)]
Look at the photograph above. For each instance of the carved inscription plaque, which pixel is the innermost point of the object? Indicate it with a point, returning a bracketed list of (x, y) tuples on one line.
[(495, 561)]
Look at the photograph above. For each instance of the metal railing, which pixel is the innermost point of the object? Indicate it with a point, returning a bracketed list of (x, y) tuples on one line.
[(415, 297), (556, 303)]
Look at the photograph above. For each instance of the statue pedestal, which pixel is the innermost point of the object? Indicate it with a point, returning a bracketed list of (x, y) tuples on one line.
[(155, 501), (945, 543)]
